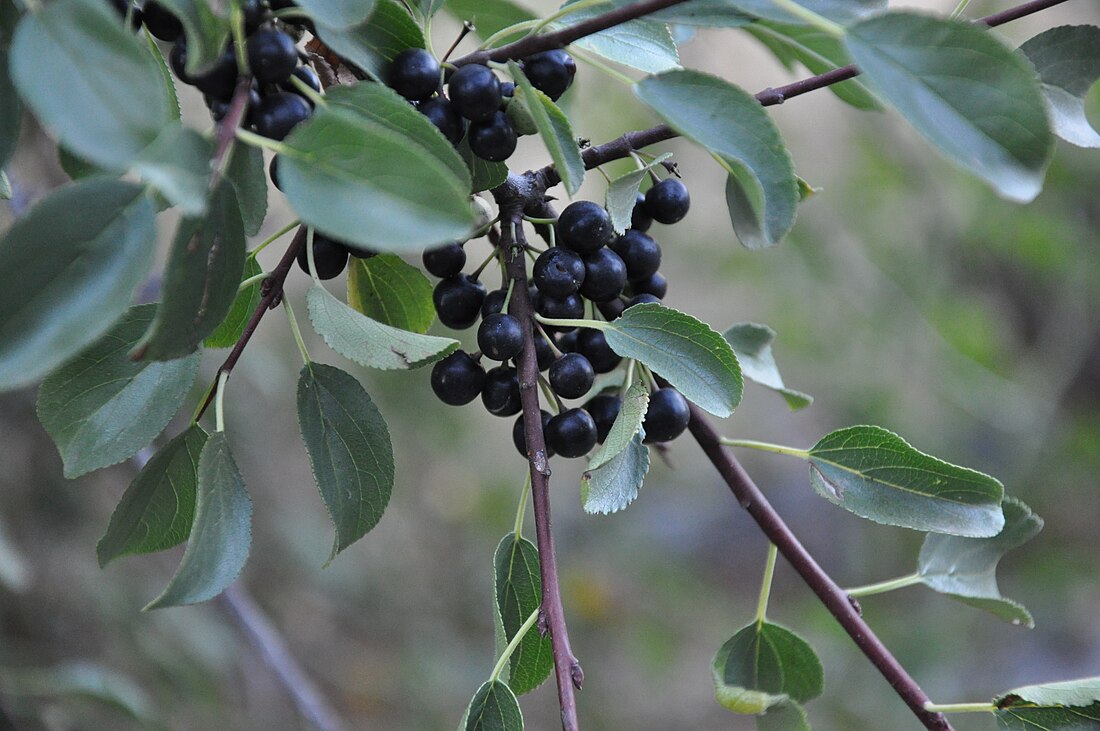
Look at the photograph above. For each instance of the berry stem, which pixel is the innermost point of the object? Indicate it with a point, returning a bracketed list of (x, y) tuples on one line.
[(219, 410), (272, 238), (245, 284)]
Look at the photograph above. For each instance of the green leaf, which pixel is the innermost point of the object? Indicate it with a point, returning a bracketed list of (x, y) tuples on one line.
[(90, 80), (705, 13), (968, 94), (367, 342), (165, 73), (337, 170), (841, 11), (553, 127), (494, 708), (1072, 705), (818, 51), (349, 449), (783, 717), (247, 174), (877, 475), (731, 124), (177, 164), (489, 16), (5, 187), (338, 13), (622, 193), (485, 175), (101, 407), (69, 268), (200, 281), (518, 587), (388, 290), (764, 666), (156, 511), (752, 344), (1068, 61), (11, 112), (220, 533), (697, 361), (615, 484), (626, 425), (232, 327), (641, 43), (206, 31), (76, 167), (372, 44), (966, 568)]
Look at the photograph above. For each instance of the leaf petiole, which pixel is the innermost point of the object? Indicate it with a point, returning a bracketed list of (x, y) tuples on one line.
[(766, 584), (297, 332), (593, 324), (821, 23), (522, 508), (273, 238), (766, 447), (507, 654), (219, 410), (960, 707), (884, 586)]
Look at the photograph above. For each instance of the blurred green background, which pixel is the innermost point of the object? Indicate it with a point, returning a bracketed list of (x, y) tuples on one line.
[(908, 296)]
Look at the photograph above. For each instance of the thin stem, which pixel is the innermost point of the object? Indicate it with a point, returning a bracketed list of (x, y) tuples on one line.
[(504, 656), (525, 27), (236, 26), (311, 263), (766, 584), (251, 138), (601, 66), (481, 267), (567, 322), (546, 221), (245, 284), (960, 707), (508, 294), (297, 332), (823, 24), (960, 8), (466, 29), (766, 447), (884, 586), (307, 91), (548, 392), (522, 507), (273, 238), (219, 409), (227, 129)]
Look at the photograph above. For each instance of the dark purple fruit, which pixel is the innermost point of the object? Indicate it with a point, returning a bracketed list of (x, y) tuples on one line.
[(500, 394), (593, 345), (330, 257), (604, 277), (500, 336), (272, 56), (458, 301), (655, 284), (280, 113), (572, 433), (414, 74), (571, 376), (667, 201), (640, 253), (161, 22), (667, 417), (457, 379), (446, 261), (519, 435), (494, 139), (551, 72), (558, 272), (475, 91), (640, 220), (603, 409), (584, 227), (445, 117), (306, 75)]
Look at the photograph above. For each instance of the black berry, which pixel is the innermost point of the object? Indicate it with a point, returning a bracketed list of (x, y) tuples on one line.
[(329, 256), (519, 435), (655, 284), (570, 307), (307, 75), (446, 261), (640, 220), (273, 172), (457, 379), (500, 336), (604, 277), (161, 22), (667, 201), (544, 354), (475, 91), (593, 345), (640, 253), (584, 227), (414, 74), (221, 79), (445, 117), (494, 139), (572, 433), (177, 59), (558, 272), (279, 113), (571, 376), (272, 56), (603, 409), (667, 417), (494, 302), (255, 13), (642, 299), (611, 309), (500, 394), (458, 301), (551, 72)]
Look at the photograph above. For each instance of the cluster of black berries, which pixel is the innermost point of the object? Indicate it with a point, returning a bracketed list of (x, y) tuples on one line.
[(588, 263), (475, 101)]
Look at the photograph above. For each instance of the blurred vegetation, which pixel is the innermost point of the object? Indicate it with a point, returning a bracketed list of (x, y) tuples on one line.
[(908, 296)]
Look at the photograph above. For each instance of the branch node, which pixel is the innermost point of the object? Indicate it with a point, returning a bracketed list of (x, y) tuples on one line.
[(855, 605)]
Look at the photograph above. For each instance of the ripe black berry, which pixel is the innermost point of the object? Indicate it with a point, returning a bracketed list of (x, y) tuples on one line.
[(177, 59), (640, 253), (611, 309), (642, 299), (445, 117), (605, 276), (493, 140), (544, 354), (584, 227), (570, 307), (593, 345), (667, 201), (279, 113), (161, 22), (551, 72), (603, 409), (458, 301), (457, 379), (640, 220), (446, 261), (329, 256), (307, 75), (519, 436), (475, 91), (571, 376), (558, 272), (500, 336), (655, 284), (414, 74), (271, 56), (221, 79), (494, 302), (255, 13), (273, 172), (500, 394), (667, 416), (572, 433)]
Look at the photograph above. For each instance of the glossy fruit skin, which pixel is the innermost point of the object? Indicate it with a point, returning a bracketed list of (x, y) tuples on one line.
[(567, 341), (161, 22), (570, 307), (177, 60), (584, 227), (500, 336), (494, 302), (254, 15), (611, 309), (571, 376), (640, 253), (446, 261), (558, 272), (280, 113), (655, 284), (667, 417), (668, 201), (643, 299), (640, 220), (500, 394), (220, 81), (495, 139), (458, 301), (272, 56), (519, 436), (544, 354), (457, 379), (572, 433), (475, 91), (593, 345), (307, 76), (329, 256), (445, 117), (603, 409), (414, 74), (273, 172), (604, 277), (551, 72)]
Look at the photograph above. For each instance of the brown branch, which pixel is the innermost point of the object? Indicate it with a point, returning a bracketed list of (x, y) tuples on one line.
[(561, 38), (552, 616), (839, 604), (227, 129)]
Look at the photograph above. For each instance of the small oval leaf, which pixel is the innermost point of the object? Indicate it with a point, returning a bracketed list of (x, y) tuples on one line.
[(763, 666), (519, 593), (1068, 61), (615, 484), (494, 708), (391, 291)]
